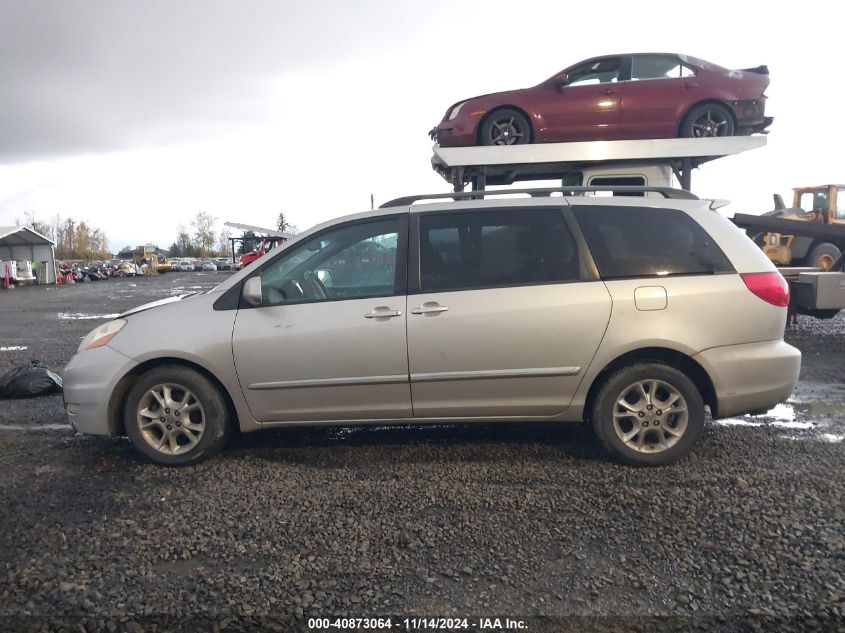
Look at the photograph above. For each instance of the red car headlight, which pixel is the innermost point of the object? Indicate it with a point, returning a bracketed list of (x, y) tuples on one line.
[(456, 110)]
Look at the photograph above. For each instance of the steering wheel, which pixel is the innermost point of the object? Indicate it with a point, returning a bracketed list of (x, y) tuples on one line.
[(292, 290), (320, 289)]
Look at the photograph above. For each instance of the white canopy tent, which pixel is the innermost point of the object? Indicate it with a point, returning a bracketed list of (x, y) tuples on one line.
[(21, 243)]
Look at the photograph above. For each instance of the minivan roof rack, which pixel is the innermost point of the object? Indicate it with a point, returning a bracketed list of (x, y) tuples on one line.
[(666, 192)]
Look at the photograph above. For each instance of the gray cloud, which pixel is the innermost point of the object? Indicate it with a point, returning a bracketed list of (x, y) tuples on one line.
[(103, 75)]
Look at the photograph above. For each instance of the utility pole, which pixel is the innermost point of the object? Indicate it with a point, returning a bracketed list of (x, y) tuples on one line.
[(372, 201)]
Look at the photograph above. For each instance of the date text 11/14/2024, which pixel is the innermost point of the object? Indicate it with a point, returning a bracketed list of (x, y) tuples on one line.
[(417, 624)]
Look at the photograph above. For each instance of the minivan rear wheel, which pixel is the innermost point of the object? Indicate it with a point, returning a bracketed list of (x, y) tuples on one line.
[(648, 414), (174, 415)]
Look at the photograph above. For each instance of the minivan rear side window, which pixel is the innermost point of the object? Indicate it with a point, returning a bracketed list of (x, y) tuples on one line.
[(646, 242), (486, 249)]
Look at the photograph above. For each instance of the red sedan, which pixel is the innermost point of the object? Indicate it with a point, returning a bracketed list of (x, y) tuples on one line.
[(640, 96)]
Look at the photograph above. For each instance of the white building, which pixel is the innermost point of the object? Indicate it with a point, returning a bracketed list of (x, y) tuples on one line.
[(20, 245)]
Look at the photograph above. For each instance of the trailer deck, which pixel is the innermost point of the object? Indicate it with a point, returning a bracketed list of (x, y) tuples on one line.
[(504, 165)]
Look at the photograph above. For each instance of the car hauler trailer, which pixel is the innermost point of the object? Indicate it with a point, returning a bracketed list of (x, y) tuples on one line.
[(587, 163)]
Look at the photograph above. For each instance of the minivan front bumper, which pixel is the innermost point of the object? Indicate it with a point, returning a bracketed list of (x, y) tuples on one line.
[(88, 383), (752, 376)]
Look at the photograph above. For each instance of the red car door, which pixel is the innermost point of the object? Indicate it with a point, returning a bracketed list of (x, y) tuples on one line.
[(660, 89), (583, 104)]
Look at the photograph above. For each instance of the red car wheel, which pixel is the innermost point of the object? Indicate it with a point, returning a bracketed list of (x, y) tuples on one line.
[(505, 127), (707, 120)]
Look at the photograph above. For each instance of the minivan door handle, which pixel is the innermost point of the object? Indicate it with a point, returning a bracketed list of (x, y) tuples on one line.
[(429, 307), (382, 312)]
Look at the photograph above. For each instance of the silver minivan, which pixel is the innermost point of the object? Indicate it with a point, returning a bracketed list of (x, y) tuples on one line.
[(631, 312)]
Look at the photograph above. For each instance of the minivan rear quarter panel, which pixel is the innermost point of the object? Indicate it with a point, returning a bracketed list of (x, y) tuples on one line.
[(702, 311)]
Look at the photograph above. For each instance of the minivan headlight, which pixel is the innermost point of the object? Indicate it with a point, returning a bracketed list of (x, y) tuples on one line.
[(101, 335)]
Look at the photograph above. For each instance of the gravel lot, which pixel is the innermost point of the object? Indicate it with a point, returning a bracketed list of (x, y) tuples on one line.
[(527, 521)]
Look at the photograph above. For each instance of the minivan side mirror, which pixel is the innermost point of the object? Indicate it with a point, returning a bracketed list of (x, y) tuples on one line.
[(252, 291), (561, 80)]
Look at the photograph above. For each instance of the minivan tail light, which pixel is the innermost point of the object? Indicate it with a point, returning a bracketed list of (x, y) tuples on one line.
[(770, 287)]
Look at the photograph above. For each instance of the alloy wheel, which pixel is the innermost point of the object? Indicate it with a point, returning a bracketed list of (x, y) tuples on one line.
[(650, 416), (171, 419), (710, 123), (506, 131)]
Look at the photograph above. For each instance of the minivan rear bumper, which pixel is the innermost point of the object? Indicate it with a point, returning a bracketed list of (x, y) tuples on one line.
[(752, 376)]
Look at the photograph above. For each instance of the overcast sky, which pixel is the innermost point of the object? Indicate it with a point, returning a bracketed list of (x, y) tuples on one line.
[(136, 115)]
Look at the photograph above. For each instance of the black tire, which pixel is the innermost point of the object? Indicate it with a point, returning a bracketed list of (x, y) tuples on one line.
[(823, 255), (617, 385), (708, 119), (215, 415), (505, 127)]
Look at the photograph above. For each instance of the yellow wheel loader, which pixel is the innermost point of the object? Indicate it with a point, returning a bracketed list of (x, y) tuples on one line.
[(810, 233)]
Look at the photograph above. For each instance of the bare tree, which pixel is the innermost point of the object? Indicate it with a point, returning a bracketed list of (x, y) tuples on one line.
[(204, 234), (223, 244), (184, 244)]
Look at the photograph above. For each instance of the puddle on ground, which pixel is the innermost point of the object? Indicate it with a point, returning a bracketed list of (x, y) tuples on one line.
[(813, 392), (823, 420), (34, 427), (75, 316), (782, 412), (737, 422), (820, 409), (783, 416), (832, 438)]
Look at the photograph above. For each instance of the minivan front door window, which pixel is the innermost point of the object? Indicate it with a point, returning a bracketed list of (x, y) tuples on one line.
[(353, 262)]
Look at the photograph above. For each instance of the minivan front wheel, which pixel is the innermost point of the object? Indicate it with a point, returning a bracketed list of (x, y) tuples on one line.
[(648, 414), (175, 415)]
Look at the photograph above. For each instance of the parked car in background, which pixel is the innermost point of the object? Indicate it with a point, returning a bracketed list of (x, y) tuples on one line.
[(631, 313), (223, 263), (632, 96), (208, 265)]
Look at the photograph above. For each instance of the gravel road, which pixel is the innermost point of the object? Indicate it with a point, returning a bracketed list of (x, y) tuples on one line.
[(526, 521)]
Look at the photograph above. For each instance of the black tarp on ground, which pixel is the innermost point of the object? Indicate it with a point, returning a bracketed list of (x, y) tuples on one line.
[(29, 381)]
